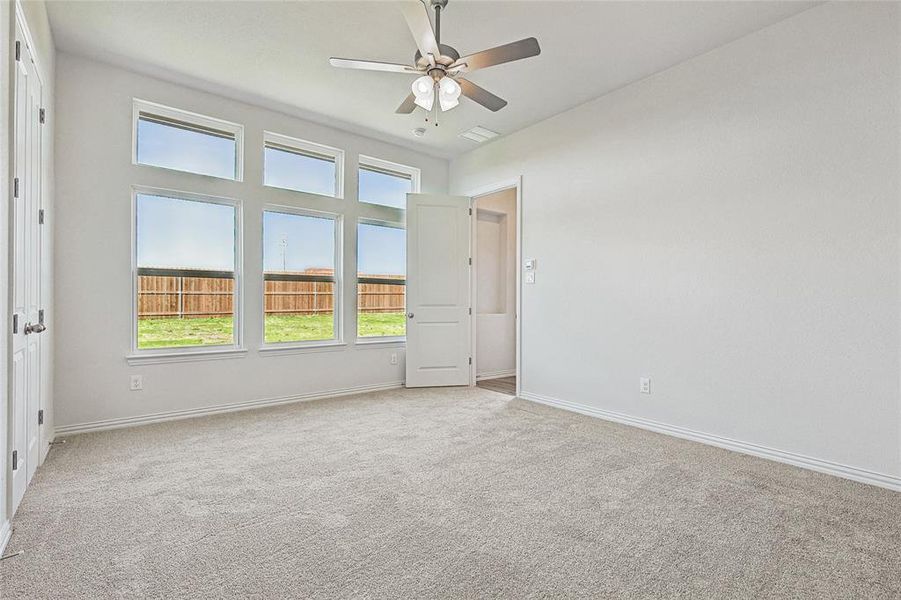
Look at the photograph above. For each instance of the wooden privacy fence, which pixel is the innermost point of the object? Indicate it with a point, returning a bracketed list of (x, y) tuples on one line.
[(199, 293)]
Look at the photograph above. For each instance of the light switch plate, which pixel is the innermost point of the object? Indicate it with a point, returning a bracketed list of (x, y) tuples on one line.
[(529, 264), (530, 277)]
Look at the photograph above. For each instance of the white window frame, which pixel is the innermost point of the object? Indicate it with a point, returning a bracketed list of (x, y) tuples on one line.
[(338, 340), (390, 168), (375, 339), (306, 148), (189, 353), (189, 118)]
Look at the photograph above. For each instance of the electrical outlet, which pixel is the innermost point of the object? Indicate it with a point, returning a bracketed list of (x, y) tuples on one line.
[(394, 358), (137, 383), (645, 384), (530, 277)]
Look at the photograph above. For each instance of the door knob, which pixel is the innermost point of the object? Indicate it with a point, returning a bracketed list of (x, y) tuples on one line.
[(409, 315), (36, 328)]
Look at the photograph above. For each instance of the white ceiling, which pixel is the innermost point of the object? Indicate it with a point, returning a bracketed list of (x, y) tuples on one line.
[(276, 53)]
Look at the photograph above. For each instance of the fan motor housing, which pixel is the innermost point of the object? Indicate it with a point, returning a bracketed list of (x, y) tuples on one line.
[(449, 56)]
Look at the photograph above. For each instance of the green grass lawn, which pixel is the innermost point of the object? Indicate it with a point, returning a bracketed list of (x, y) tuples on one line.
[(375, 324), (171, 332)]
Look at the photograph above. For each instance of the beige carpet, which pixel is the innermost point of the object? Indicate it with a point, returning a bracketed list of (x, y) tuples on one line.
[(438, 494)]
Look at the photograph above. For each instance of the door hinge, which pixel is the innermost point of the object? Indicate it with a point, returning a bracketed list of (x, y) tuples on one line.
[(470, 212), (470, 310), (15, 323), (41, 217), (43, 117), (41, 316), (15, 459), (40, 417), (16, 187), (18, 50), (470, 260), (470, 360)]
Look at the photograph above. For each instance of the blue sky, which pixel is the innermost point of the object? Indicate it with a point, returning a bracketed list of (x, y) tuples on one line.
[(174, 148), (296, 172), (189, 234), (184, 233), (380, 188), (296, 243), (381, 250)]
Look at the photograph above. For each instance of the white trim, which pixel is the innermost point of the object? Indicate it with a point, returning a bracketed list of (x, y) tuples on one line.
[(514, 183), (190, 118), (301, 348), (22, 22), (6, 532), (883, 480), (313, 150), (381, 341), (495, 374), (338, 313), (187, 355), (221, 408), (237, 305)]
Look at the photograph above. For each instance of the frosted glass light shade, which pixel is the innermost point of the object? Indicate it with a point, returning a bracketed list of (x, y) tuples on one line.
[(424, 92), (448, 93)]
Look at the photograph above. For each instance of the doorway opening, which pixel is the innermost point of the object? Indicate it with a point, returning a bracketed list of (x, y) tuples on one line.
[(496, 241)]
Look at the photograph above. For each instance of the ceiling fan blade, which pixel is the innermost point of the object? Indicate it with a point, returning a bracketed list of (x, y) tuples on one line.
[(407, 106), (420, 26), (496, 56), (371, 65), (481, 95)]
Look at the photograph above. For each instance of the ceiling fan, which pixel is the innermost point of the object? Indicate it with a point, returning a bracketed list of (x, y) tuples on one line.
[(440, 66)]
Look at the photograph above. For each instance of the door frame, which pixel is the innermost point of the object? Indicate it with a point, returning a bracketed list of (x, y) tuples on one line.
[(475, 194)]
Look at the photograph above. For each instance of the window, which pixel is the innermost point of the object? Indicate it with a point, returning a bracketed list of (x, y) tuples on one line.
[(381, 279), (300, 251), (174, 139), (186, 249), (385, 183), (302, 166)]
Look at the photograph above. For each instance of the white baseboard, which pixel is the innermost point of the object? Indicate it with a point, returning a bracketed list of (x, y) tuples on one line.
[(495, 374), (222, 408), (6, 531), (799, 460)]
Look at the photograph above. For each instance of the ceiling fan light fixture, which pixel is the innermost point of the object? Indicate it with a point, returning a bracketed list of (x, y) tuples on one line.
[(424, 91), (448, 93)]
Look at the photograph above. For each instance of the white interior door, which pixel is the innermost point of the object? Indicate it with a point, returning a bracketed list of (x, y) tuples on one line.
[(25, 372), (438, 310)]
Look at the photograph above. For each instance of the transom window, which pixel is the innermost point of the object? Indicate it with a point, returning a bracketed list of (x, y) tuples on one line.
[(185, 279), (386, 183), (381, 279), (184, 141), (302, 166), (301, 283)]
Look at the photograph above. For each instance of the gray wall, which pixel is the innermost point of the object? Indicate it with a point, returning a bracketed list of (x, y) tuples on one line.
[(94, 254), (730, 228)]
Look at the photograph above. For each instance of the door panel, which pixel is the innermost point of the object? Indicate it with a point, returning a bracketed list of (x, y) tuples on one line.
[(25, 380), (438, 319)]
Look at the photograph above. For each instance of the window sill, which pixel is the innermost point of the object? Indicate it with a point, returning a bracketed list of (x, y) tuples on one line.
[(381, 342), (184, 356), (279, 350)]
